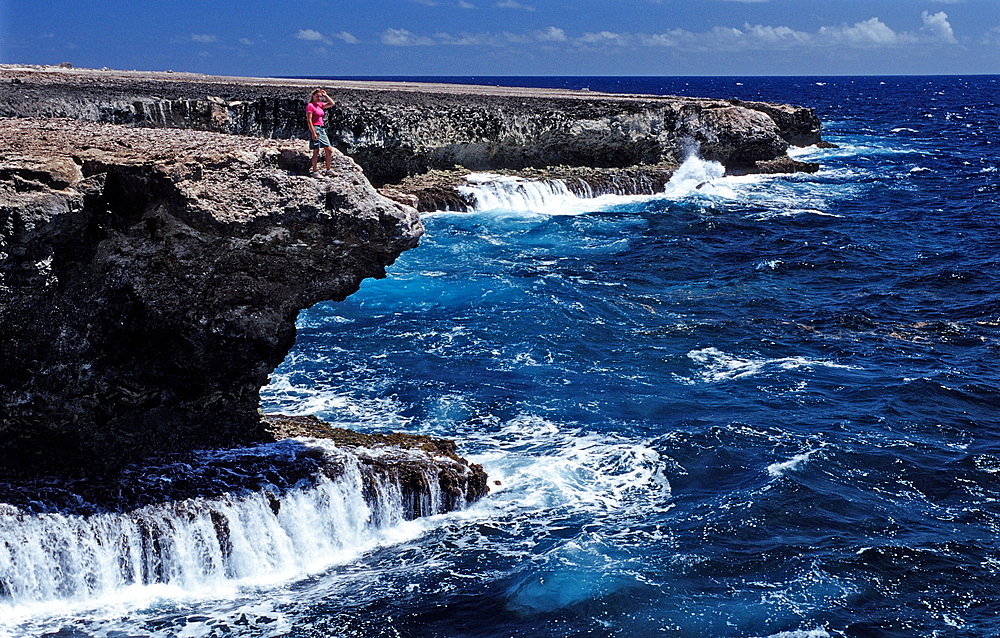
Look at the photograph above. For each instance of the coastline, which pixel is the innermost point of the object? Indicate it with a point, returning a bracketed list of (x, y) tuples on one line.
[(186, 184), (400, 131)]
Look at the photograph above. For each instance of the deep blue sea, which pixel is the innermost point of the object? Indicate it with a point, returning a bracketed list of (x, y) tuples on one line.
[(765, 407)]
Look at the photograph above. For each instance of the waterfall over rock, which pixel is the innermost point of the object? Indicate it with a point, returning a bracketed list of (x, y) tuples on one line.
[(259, 514)]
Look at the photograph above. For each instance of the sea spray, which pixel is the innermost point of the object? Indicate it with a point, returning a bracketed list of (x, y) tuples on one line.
[(489, 191), (503, 192), (697, 176), (264, 514)]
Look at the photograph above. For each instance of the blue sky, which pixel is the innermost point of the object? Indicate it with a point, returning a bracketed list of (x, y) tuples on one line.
[(508, 37)]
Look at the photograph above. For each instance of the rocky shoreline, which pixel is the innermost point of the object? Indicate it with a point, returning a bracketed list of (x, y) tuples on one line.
[(159, 233), (150, 280), (400, 132)]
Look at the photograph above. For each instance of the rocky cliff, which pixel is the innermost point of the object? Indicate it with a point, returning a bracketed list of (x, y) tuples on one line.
[(150, 280), (398, 130), (157, 238)]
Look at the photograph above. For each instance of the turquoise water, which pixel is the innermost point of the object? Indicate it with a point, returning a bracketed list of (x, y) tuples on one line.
[(768, 406)]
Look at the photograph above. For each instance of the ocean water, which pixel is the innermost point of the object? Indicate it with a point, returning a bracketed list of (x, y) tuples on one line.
[(763, 406)]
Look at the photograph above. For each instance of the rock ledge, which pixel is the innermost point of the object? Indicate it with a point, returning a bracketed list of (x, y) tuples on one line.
[(150, 280)]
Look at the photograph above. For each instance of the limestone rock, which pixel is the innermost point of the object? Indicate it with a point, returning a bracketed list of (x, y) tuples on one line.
[(150, 280), (397, 130)]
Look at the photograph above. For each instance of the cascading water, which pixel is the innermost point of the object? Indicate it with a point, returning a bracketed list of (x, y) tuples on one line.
[(488, 191), (260, 515), (504, 192)]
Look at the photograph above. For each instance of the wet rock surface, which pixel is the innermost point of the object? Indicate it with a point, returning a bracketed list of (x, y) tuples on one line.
[(417, 465), (150, 280), (403, 457)]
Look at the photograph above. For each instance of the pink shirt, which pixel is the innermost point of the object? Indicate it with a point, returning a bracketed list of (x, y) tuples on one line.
[(315, 111)]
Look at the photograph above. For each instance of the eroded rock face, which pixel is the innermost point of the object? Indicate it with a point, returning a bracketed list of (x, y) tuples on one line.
[(150, 280), (397, 130)]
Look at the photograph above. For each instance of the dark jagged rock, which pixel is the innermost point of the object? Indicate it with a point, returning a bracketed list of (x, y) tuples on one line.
[(150, 281), (404, 460), (397, 130), (460, 482)]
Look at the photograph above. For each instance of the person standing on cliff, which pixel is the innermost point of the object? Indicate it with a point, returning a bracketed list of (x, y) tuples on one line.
[(318, 138)]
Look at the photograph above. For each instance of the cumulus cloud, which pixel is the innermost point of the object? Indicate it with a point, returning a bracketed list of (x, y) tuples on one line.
[(606, 37), (936, 24), (462, 4), (204, 38), (312, 35), (869, 33), (346, 37), (551, 34), (246, 41), (775, 35), (404, 38)]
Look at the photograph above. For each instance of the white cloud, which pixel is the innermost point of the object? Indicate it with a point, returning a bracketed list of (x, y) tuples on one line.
[(204, 38), (551, 34), (672, 38), (871, 32), (938, 26), (346, 37), (776, 35), (426, 3), (606, 37), (513, 4), (462, 4), (311, 35), (246, 41), (404, 38), (466, 39)]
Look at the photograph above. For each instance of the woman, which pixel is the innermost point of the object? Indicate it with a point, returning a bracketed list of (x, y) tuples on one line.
[(318, 139)]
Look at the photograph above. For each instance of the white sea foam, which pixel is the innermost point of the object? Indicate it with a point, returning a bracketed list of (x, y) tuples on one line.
[(494, 192), (542, 465), (791, 465), (716, 366), (505, 193), (810, 633), (203, 547), (699, 177), (283, 396)]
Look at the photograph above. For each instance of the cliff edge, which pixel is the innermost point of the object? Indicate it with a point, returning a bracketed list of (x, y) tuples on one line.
[(158, 234), (150, 280), (400, 131)]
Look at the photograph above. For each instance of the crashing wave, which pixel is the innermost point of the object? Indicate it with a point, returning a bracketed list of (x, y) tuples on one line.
[(260, 514)]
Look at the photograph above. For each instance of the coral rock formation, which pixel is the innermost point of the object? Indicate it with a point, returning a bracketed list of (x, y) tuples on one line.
[(150, 280)]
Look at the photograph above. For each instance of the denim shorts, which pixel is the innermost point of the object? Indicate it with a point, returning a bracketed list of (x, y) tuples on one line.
[(321, 141)]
